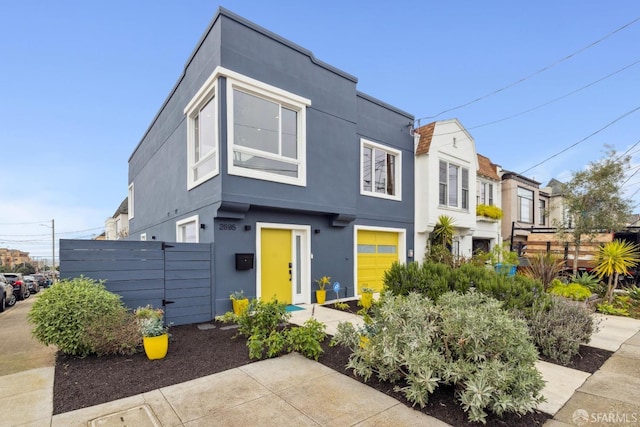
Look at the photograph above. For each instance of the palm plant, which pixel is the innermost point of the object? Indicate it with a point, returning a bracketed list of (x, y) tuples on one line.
[(615, 258), (443, 231)]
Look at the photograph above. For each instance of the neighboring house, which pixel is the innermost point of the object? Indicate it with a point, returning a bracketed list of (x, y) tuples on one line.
[(277, 160), (449, 173), (556, 212), (488, 192), (117, 227), (524, 205), (10, 258)]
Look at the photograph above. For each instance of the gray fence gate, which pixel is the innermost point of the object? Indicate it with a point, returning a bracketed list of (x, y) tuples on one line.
[(175, 276)]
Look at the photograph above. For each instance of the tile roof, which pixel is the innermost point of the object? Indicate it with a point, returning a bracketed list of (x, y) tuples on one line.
[(426, 135), (486, 168)]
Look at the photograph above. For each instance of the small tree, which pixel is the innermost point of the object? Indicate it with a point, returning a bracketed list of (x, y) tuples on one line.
[(593, 201), (615, 258)]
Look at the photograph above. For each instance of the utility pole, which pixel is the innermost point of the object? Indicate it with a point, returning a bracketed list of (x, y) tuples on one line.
[(53, 245)]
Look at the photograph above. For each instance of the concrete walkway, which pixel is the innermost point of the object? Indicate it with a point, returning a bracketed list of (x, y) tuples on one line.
[(292, 390)]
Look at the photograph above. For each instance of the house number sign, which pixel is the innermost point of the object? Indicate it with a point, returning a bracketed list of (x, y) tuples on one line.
[(226, 227)]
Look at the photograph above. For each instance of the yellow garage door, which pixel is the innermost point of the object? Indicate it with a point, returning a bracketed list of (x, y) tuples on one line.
[(275, 258), (377, 250)]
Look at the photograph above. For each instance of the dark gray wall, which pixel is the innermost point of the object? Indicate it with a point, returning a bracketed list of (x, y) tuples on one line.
[(336, 120)]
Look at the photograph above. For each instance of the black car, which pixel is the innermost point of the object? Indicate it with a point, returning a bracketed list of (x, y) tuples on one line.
[(42, 280), (20, 289)]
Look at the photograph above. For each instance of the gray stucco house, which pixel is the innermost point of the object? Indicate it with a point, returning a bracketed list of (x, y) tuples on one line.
[(277, 160)]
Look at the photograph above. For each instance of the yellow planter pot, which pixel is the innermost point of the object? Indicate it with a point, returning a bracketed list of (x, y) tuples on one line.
[(240, 305), (366, 300), (321, 296), (156, 347)]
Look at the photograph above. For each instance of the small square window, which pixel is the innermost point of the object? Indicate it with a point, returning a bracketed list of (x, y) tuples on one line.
[(381, 171), (187, 230)]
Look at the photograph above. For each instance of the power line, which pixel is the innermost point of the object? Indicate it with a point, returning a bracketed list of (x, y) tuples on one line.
[(49, 234), (582, 140), (510, 85), (544, 104), (25, 223), (555, 99)]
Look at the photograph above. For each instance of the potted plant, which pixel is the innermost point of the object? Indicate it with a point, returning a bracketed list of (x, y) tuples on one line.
[(155, 335), (366, 299), (239, 302), (504, 260), (321, 294)]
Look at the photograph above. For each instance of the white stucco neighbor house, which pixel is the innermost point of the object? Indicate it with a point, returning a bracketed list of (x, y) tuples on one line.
[(452, 179)]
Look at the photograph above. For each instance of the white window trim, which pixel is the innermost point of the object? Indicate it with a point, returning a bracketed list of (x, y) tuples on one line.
[(130, 201), (282, 97), (180, 223), (458, 206), (209, 89), (398, 171), (208, 92)]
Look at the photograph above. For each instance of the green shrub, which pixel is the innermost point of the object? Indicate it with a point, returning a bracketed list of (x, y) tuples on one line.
[(560, 328), (634, 293), (263, 324), (618, 307), (572, 291), (518, 292), (434, 279), (465, 340), (591, 281), (307, 338), (62, 315)]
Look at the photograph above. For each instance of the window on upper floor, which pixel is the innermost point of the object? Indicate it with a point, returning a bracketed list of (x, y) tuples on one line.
[(453, 188), (187, 230), (380, 170), (542, 215), (525, 205), (485, 193), (267, 132), (202, 138)]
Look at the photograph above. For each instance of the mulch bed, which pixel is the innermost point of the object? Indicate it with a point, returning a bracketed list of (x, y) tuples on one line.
[(193, 353)]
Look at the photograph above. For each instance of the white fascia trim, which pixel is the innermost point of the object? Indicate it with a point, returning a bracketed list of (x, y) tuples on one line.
[(258, 85)]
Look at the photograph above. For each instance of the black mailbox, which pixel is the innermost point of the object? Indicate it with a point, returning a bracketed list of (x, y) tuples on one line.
[(244, 261)]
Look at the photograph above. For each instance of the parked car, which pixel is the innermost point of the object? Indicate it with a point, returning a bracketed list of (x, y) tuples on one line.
[(20, 289), (32, 284), (42, 280), (7, 298)]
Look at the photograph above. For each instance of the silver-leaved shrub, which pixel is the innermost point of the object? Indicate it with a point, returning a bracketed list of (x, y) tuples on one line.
[(465, 340)]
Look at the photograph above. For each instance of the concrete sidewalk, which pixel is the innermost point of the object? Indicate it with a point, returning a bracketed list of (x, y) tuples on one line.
[(292, 390)]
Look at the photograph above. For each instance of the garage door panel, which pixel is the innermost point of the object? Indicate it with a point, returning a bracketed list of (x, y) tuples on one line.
[(377, 250)]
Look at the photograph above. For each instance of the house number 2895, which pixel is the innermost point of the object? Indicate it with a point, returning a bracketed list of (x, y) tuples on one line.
[(227, 227)]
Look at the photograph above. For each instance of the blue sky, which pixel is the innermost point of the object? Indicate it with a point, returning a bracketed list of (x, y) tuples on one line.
[(81, 81)]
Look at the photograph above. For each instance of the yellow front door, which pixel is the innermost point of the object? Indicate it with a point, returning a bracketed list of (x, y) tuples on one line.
[(377, 250), (275, 261)]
